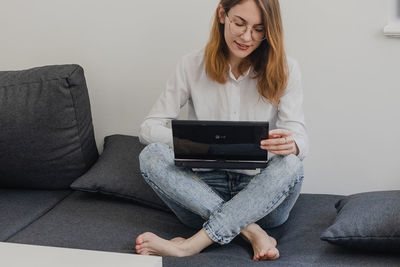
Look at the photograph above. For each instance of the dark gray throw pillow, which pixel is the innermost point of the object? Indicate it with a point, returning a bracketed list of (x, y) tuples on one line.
[(117, 173), (46, 132), (368, 221)]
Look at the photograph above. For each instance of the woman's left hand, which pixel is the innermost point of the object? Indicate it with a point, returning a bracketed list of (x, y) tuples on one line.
[(280, 142)]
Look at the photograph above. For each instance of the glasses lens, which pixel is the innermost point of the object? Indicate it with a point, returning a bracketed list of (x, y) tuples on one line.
[(238, 28), (258, 34)]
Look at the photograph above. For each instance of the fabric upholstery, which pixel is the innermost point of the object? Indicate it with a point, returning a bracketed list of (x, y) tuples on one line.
[(99, 222), (19, 208), (367, 221), (117, 173), (46, 137)]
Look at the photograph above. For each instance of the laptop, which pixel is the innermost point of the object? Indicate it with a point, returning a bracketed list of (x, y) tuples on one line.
[(219, 144)]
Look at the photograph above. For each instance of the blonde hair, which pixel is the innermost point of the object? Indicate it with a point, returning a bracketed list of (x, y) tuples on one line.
[(268, 60)]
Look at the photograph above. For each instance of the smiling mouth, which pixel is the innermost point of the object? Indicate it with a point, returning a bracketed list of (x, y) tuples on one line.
[(242, 46)]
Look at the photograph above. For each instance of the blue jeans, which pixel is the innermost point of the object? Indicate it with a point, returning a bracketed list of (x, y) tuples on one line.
[(223, 202)]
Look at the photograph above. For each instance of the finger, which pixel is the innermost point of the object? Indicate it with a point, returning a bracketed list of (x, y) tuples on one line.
[(277, 141), (275, 151), (280, 147), (280, 132), (273, 136)]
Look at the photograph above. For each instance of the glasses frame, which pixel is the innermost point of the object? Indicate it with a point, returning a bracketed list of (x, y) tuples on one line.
[(247, 26)]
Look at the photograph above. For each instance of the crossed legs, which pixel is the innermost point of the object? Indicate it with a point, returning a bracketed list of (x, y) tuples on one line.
[(184, 192)]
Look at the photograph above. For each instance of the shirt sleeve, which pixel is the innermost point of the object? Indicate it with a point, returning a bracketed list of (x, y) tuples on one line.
[(156, 126), (290, 110)]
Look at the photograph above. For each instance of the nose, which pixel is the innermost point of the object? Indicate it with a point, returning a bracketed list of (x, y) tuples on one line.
[(246, 36)]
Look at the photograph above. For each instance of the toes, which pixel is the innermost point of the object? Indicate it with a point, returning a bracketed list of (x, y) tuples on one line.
[(272, 254), (139, 240), (276, 256), (141, 247), (258, 256), (265, 257), (144, 252), (145, 237)]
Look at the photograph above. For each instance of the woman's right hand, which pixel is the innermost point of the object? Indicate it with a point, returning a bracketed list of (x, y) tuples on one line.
[(280, 142)]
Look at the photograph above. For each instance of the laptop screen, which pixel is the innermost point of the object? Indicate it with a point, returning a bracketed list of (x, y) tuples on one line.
[(219, 140)]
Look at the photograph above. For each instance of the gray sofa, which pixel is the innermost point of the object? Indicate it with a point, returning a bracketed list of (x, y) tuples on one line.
[(56, 191)]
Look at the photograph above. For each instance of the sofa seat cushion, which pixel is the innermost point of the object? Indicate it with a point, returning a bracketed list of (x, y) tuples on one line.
[(19, 208), (46, 137), (99, 222)]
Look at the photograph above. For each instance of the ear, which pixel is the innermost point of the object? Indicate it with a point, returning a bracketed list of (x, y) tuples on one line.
[(221, 14)]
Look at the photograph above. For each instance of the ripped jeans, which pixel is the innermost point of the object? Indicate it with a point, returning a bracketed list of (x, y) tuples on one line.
[(223, 202)]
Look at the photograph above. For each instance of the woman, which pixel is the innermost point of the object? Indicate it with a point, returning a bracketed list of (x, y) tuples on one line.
[(242, 74)]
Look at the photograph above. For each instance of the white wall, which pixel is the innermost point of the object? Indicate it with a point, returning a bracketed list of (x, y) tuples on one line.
[(129, 48), (352, 89)]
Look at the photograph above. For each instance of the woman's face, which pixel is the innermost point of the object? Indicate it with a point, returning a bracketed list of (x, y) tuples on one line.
[(244, 13)]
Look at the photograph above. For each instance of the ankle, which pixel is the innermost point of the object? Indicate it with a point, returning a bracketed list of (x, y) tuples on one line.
[(188, 248), (196, 243), (252, 231)]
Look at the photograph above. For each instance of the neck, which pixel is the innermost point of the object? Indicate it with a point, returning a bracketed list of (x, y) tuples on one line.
[(234, 63)]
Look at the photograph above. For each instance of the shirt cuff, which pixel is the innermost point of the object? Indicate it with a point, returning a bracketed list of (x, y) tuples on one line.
[(301, 146), (162, 134)]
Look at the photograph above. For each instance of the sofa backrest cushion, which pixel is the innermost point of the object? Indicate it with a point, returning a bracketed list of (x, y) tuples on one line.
[(46, 132)]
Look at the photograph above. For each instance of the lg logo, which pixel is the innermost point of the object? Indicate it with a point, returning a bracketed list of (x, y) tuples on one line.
[(220, 137)]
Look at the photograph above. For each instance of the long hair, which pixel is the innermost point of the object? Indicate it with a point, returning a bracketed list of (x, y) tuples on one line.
[(268, 60)]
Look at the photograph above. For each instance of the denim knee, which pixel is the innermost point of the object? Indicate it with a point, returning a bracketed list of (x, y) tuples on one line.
[(152, 156), (294, 162), (290, 164)]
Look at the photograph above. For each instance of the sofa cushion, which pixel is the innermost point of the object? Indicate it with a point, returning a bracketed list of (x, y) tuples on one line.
[(46, 137), (19, 208), (117, 173), (367, 221), (100, 222)]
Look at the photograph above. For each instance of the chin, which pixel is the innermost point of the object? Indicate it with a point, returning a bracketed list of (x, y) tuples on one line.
[(242, 54)]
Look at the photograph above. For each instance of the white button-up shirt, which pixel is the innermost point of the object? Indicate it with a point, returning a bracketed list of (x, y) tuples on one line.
[(236, 100)]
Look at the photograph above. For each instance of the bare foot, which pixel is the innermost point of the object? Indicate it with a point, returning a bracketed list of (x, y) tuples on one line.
[(265, 249), (151, 244), (264, 246)]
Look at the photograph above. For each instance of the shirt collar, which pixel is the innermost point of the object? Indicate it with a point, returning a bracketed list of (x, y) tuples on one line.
[(241, 77)]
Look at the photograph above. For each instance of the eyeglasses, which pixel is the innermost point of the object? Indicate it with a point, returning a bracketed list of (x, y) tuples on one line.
[(238, 27)]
